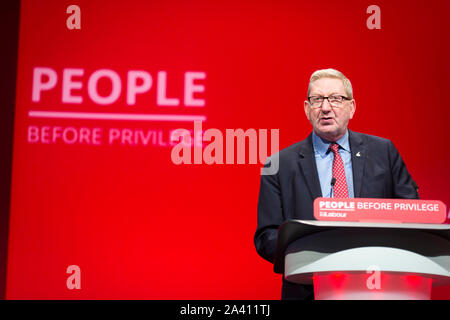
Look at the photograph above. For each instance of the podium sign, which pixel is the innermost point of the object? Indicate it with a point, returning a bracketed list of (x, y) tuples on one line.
[(380, 210)]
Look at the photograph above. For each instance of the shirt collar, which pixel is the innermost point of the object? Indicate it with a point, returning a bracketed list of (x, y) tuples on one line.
[(321, 145)]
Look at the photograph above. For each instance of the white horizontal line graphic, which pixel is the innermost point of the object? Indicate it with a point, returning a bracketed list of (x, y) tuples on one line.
[(115, 116)]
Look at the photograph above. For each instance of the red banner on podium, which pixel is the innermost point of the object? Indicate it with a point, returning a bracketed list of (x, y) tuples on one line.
[(380, 210)]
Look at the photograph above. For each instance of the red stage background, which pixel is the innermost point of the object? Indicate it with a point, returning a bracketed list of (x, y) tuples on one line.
[(141, 227)]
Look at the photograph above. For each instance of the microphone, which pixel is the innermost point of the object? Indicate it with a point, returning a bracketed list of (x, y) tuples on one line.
[(333, 182), (416, 187)]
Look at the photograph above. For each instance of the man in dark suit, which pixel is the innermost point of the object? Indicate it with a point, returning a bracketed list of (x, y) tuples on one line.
[(331, 161)]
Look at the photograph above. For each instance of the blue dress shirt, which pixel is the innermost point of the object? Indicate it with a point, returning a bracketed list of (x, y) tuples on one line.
[(324, 161)]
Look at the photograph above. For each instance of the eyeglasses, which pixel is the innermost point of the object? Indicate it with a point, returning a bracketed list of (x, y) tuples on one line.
[(334, 100)]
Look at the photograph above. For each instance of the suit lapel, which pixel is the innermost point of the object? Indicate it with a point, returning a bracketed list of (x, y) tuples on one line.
[(358, 151), (308, 167)]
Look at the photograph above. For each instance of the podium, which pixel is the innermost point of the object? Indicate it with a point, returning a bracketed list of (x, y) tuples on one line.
[(364, 261)]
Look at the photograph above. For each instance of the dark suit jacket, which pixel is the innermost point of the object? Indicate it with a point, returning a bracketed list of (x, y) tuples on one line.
[(378, 172)]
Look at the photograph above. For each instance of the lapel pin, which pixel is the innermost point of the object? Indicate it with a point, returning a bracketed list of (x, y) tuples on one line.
[(358, 154)]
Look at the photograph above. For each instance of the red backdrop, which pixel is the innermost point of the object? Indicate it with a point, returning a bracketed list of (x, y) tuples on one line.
[(141, 227)]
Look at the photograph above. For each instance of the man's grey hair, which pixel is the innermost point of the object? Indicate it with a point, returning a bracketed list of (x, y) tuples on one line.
[(332, 73)]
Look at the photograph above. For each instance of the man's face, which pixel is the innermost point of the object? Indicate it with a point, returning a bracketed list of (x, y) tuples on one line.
[(329, 122)]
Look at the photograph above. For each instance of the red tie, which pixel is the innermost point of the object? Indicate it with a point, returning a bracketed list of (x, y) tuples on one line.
[(340, 189)]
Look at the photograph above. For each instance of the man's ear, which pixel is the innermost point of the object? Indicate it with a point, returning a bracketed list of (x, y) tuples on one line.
[(307, 108), (352, 108)]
